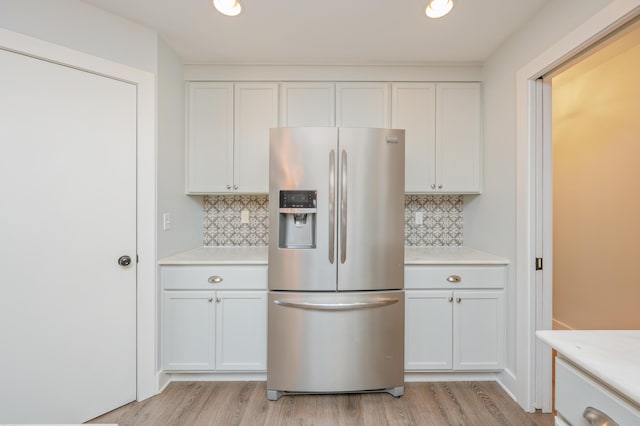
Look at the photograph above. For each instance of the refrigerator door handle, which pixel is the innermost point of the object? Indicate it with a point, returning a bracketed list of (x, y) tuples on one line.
[(337, 306), (343, 207), (332, 205)]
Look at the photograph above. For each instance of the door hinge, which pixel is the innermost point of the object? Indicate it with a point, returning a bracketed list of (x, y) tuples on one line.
[(137, 259), (538, 264)]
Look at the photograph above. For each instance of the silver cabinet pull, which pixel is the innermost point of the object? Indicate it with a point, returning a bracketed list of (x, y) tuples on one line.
[(235, 186), (454, 278), (210, 299), (440, 186), (458, 300), (450, 299), (596, 417), (215, 279), (332, 206), (228, 186), (433, 186), (218, 299)]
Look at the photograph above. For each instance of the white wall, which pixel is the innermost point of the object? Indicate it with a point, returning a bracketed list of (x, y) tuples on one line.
[(490, 219), (82, 27), (186, 211)]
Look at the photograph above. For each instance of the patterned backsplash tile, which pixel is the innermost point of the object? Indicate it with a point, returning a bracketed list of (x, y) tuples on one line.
[(441, 225)]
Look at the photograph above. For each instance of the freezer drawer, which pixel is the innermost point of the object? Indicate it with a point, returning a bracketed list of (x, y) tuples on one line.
[(335, 342)]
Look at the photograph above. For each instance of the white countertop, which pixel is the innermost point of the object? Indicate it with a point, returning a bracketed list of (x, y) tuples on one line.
[(259, 256), (219, 256), (611, 356), (450, 256)]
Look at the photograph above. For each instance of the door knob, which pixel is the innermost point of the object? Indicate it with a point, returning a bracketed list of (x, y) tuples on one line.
[(124, 260)]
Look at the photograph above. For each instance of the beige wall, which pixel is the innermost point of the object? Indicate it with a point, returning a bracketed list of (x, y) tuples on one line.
[(596, 186)]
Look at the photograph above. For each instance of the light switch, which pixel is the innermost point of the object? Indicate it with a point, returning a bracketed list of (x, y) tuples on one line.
[(244, 216), (419, 218)]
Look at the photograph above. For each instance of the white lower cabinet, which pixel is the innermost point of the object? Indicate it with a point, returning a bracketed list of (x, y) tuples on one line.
[(241, 330), (213, 330), (582, 400), (458, 330)]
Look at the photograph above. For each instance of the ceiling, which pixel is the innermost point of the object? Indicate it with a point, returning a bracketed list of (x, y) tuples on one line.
[(345, 32)]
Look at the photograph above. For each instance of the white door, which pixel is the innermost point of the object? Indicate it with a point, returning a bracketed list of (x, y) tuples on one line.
[(68, 185)]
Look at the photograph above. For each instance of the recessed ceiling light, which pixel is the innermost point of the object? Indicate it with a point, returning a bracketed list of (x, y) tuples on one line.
[(439, 8), (228, 7)]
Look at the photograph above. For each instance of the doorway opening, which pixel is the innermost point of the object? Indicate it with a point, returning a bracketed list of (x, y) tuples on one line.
[(585, 199)]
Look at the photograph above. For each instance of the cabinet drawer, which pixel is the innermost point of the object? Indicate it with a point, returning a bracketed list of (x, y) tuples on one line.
[(575, 391), (453, 277), (214, 277)]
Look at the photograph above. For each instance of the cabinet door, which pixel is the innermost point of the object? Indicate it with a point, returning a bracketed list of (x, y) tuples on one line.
[(458, 138), (428, 328), (478, 318), (209, 155), (256, 111), (241, 330), (362, 105), (413, 108), (188, 328), (307, 105)]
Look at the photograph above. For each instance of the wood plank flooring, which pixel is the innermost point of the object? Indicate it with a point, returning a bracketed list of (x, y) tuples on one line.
[(245, 403)]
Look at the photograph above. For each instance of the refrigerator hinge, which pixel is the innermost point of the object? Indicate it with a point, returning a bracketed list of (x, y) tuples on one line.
[(538, 264)]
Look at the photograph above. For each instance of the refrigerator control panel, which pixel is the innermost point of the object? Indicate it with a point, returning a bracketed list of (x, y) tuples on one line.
[(298, 199)]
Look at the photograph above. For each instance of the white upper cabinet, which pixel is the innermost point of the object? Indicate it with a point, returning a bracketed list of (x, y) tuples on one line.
[(362, 105), (307, 105), (414, 109), (228, 136), (256, 111), (458, 138), (228, 129), (209, 137), (443, 135)]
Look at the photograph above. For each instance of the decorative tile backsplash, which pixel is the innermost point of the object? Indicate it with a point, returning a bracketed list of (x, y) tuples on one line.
[(222, 225), (442, 220), (441, 225)]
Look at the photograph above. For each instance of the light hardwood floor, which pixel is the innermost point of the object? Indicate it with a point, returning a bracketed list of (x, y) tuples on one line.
[(245, 403)]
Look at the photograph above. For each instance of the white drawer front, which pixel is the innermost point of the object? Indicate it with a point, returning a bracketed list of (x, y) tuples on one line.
[(214, 277), (454, 277), (575, 391)]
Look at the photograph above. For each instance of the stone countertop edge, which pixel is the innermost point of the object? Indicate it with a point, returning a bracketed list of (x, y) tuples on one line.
[(415, 256), (611, 356)]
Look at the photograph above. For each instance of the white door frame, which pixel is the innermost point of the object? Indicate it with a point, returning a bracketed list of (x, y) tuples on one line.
[(147, 383), (531, 371)]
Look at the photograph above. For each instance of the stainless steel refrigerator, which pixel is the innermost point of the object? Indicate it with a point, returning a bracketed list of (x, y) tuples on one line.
[(336, 261)]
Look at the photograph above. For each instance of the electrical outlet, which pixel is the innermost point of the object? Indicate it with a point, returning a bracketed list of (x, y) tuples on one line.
[(244, 216), (166, 221), (419, 218)]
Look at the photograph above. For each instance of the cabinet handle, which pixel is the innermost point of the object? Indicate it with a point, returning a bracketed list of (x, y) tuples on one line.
[(228, 186), (210, 299), (596, 417), (215, 279), (440, 186), (235, 186), (218, 299), (458, 300), (454, 278), (433, 186), (450, 299)]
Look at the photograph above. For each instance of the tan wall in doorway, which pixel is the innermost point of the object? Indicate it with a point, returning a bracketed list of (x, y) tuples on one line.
[(596, 186)]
